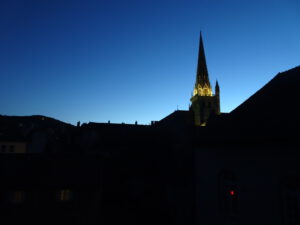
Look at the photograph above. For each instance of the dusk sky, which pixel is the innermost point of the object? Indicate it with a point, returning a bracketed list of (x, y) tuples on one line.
[(128, 61)]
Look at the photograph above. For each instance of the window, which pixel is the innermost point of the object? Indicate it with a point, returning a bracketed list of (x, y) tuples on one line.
[(292, 208), (17, 197), (3, 148), (291, 202), (11, 148), (228, 193), (64, 195)]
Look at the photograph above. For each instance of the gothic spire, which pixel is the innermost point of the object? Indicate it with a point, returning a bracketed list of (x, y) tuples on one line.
[(202, 73), (217, 85), (217, 88)]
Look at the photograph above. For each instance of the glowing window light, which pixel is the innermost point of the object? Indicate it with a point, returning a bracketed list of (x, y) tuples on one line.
[(17, 197), (64, 195)]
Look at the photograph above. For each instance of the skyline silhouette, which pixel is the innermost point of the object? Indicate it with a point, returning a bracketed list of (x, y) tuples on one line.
[(134, 61), (242, 168)]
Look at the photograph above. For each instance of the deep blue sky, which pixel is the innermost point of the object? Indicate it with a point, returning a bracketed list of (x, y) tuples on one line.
[(136, 60)]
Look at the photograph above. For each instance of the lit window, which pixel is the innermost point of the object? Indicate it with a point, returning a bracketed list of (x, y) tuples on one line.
[(17, 197), (64, 195)]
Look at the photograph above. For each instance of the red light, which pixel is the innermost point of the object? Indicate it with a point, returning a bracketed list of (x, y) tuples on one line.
[(231, 192)]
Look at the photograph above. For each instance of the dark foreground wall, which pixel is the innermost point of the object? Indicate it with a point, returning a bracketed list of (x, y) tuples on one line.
[(95, 189)]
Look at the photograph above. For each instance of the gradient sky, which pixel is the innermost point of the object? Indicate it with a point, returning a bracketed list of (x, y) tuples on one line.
[(128, 61)]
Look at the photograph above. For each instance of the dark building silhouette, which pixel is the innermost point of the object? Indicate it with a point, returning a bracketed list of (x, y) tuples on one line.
[(240, 168)]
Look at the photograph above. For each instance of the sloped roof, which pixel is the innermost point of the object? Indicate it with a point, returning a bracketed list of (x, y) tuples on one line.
[(273, 107), (19, 128)]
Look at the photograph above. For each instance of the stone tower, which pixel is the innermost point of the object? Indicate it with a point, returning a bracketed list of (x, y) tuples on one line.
[(204, 102)]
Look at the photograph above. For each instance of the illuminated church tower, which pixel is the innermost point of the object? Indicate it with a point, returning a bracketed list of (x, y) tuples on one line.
[(204, 102)]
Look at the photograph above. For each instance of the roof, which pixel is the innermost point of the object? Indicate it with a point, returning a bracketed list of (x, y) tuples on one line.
[(273, 107), (177, 118)]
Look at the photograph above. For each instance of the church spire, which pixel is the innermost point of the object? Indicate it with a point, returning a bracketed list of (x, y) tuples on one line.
[(202, 85), (202, 73), (217, 88), (204, 103)]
